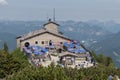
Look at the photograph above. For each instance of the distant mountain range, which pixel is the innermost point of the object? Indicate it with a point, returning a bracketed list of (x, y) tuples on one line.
[(82, 30), (103, 37), (110, 26), (9, 38), (109, 46)]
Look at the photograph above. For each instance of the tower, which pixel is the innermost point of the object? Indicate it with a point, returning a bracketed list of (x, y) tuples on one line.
[(51, 26)]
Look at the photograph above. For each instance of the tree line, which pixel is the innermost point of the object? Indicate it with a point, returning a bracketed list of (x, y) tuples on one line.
[(15, 66)]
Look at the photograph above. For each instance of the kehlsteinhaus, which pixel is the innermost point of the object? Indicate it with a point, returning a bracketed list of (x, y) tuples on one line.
[(42, 37), (48, 45)]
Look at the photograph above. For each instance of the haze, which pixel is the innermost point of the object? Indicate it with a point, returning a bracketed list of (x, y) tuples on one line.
[(78, 10)]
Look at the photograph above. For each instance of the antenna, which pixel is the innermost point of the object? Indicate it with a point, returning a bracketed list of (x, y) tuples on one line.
[(54, 14), (47, 16)]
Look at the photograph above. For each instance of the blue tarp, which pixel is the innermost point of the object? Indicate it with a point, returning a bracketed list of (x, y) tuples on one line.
[(51, 47), (35, 50), (44, 50), (27, 50), (71, 50), (36, 47), (82, 50), (74, 47)]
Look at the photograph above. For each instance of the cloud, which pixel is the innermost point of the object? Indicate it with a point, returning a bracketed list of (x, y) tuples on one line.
[(3, 2)]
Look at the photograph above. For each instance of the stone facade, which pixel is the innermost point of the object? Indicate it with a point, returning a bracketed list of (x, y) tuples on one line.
[(51, 27), (43, 40), (43, 36)]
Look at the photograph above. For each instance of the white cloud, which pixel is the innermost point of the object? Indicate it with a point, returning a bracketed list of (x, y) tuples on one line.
[(3, 2)]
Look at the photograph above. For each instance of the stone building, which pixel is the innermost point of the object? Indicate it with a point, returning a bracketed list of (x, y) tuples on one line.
[(42, 37)]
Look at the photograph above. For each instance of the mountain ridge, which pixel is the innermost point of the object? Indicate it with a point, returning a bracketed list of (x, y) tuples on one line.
[(90, 33)]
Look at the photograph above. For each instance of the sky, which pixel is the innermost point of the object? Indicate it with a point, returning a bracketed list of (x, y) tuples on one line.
[(78, 10)]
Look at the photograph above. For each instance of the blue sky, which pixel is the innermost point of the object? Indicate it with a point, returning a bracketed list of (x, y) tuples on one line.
[(78, 10)]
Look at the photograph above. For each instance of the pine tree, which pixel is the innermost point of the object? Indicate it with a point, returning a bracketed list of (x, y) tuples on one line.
[(5, 47)]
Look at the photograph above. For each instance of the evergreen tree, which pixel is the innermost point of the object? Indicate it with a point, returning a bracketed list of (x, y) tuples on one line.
[(15, 66), (5, 47)]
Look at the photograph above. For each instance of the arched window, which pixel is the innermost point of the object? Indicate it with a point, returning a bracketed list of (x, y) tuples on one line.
[(27, 44)]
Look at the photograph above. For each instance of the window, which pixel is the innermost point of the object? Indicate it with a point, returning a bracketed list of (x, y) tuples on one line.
[(50, 42), (27, 44), (61, 42), (42, 42), (36, 42)]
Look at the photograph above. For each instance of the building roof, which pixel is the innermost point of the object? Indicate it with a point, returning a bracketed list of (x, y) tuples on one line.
[(82, 55), (67, 54), (51, 22), (40, 32)]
